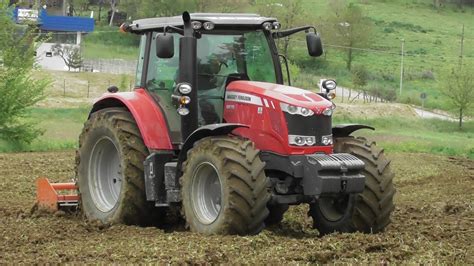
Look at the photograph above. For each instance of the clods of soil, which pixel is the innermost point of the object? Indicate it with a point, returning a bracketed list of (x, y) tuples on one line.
[(432, 223)]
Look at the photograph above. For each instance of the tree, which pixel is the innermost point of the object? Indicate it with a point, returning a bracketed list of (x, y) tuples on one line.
[(70, 54), (360, 76), (154, 8), (82, 5), (458, 86), (348, 28), (18, 89), (113, 7), (290, 13)]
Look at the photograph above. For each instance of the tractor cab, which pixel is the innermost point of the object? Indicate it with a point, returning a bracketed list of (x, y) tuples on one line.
[(229, 47)]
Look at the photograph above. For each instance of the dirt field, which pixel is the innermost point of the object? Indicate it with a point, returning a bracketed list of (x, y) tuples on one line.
[(433, 223)]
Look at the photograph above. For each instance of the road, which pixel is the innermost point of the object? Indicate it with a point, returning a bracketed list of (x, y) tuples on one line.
[(429, 115)]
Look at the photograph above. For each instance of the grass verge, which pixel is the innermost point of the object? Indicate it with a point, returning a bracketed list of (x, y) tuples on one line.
[(398, 134)]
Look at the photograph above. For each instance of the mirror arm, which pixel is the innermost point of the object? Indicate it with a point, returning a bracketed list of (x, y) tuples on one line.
[(285, 33)]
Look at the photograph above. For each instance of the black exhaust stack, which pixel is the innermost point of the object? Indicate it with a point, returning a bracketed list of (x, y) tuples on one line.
[(188, 74)]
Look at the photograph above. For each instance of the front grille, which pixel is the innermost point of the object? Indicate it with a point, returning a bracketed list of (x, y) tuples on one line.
[(316, 125)]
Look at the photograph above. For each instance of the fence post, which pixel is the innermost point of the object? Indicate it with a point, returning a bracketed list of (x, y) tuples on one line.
[(88, 88), (64, 87)]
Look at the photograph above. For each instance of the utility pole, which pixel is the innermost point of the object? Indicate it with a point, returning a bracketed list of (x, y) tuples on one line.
[(462, 47), (401, 68)]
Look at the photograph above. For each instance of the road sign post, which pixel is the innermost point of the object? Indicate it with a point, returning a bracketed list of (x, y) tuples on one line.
[(423, 98)]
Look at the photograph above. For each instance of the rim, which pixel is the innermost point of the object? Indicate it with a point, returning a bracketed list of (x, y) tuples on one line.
[(334, 208), (105, 174), (206, 193)]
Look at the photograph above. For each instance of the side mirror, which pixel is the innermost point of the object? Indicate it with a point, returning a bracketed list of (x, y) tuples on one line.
[(164, 45), (315, 46)]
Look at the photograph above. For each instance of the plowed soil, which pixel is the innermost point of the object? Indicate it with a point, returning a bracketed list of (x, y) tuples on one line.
[(433, 223)]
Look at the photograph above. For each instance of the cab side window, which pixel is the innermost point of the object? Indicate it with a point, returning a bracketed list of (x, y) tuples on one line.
[(141, 57), (162, 72)]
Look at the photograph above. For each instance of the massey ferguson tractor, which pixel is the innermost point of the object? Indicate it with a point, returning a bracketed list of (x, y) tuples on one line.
[(211, 130)]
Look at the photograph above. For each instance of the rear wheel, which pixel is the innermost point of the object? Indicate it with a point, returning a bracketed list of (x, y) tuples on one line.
[(109, 169), (224, 187)]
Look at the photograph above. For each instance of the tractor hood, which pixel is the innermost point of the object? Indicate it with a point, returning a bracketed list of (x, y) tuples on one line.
[(265, 94)]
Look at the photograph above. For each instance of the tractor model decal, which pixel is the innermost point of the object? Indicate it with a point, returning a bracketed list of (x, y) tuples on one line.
[(243, 98)]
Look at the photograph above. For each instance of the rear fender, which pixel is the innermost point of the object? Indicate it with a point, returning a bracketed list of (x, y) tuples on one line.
[(145, 111), (344, 130)]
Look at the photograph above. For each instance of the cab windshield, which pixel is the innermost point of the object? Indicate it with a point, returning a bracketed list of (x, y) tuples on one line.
[(245, 55)]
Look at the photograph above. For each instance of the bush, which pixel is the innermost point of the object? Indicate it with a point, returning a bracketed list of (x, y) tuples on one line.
[(360, 76), (110, 36), (427, 74), (18, 89)]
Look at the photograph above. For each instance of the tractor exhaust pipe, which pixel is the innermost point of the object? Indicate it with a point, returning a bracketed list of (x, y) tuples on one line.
[(188, 74)]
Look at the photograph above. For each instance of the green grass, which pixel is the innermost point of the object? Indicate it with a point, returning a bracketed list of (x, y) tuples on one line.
[(432, 43), (108, 43), (105, 51), (416, 135), (61, 128), (396, 134)]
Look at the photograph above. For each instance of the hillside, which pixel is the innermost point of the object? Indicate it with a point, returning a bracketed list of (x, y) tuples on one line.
[(432, 45)]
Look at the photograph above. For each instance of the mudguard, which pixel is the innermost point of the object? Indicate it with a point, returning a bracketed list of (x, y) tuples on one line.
[(344, 130), (202, 132), (145, 111)]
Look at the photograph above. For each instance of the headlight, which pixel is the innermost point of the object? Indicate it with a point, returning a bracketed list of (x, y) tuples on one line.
[(330, 110), (296, 110), (301, 140), (326, 140), (184, 88), (329, 84), (267, 26), (305, 112), (276, 25), (208, 25), (183, 111), (196, 25), (292, 109)]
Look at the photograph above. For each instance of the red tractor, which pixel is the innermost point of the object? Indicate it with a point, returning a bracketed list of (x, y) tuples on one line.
[(211, 130)]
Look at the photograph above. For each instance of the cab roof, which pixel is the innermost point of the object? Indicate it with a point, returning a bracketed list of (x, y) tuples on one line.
[(220, 20)]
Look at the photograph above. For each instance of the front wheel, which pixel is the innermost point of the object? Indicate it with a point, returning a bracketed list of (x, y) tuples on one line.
[(333, 213), (224, 187), (374, 205), (368, 211)]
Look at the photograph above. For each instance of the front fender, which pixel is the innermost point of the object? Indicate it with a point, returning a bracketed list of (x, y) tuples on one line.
[(344, 130), (145, 111), (202, 132)]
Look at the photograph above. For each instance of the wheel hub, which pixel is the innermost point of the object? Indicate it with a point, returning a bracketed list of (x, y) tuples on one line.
[(206, 193), (334, 208), (105, 174)]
